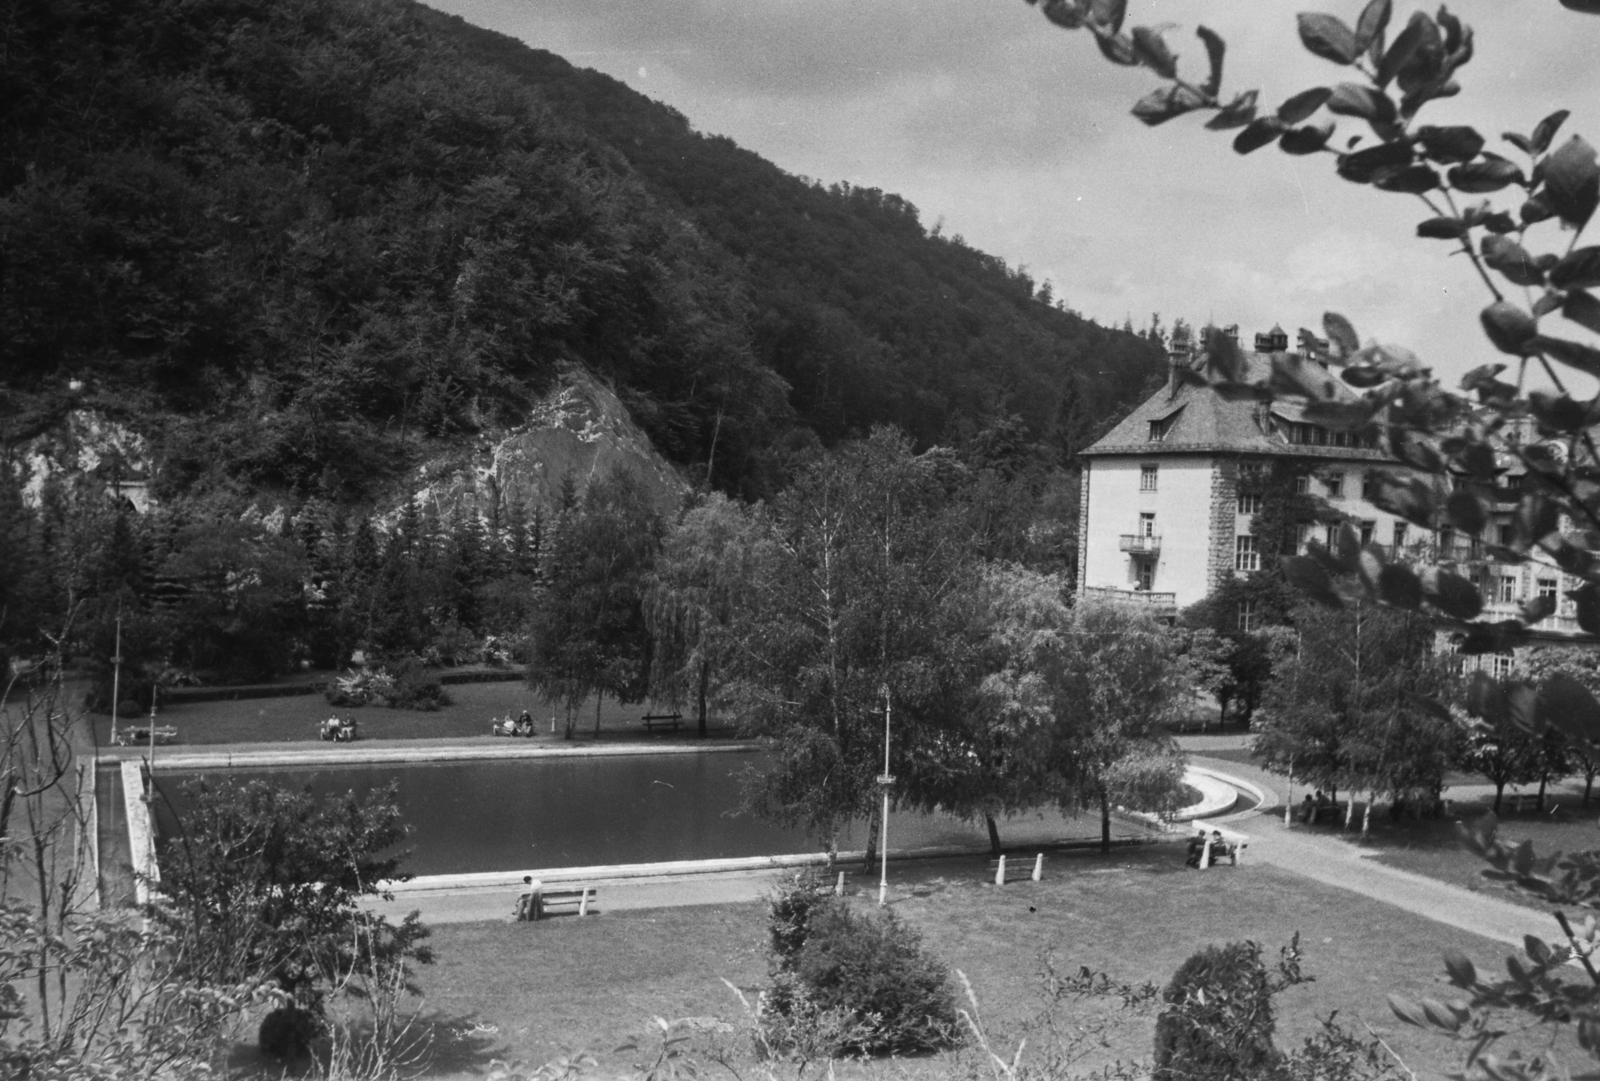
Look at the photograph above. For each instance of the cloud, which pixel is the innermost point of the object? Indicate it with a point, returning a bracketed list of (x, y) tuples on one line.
[(1017, 136)]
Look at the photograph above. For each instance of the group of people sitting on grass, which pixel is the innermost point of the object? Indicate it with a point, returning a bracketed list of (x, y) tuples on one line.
[(1197, 847), (522, 726), (1312, 806)]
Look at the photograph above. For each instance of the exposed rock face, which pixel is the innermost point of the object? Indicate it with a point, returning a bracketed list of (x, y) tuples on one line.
[(86, 444), (580, 429)]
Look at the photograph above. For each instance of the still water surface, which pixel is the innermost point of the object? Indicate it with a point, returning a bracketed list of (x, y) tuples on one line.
[(505, 816)]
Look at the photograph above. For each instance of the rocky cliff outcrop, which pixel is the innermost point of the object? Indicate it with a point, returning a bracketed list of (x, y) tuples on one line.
[(580, 429)]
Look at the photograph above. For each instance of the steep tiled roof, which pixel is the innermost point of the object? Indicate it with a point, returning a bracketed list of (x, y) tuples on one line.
[(1200, 419)]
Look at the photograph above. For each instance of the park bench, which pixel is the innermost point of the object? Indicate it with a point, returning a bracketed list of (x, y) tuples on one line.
[(1016, 868), (1231, 849), (1335, 810), (1526, 801), (137, 734), (653, 721), (578, 899)]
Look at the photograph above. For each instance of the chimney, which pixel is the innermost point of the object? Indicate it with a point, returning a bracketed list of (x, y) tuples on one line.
[(1180, 354), (1275, 340)]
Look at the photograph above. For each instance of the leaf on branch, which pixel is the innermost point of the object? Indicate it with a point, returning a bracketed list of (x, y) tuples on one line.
[(1521, 142), (1353, 99), (1442, 229), (1236, 114), (1462, 972), (1362, 166), (1451, 594), (1511, 329), (1499, 637), (1400, 587), (1064, 13), (1572, 354), (1109, 13), (1342, 338), (1371, 26), (1159, 106), (1117, 48), (1303, 104), (1570, 707), (1307, 139), (1558, 412), (1466, 511), (1499, 222), (1536, 209), (1405, 44), (1582, 308), (1572, 181), (1257, 134), (1489, 174), (1450, 144), (1328, 37), (1409, 497), (1536, 609), (1579, 270), (1511, 259), (1547, 128), (1410, 180), (1408, 1011), (1215, 48), (1308, 576), (1151, 49), (1587, 598), (1341, 416)]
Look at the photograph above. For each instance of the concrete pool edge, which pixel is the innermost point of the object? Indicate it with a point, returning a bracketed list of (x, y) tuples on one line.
[(355, 755), (499, 880)]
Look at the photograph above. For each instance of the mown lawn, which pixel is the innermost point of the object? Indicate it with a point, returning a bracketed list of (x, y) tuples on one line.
[(472, 707), (535, 991)]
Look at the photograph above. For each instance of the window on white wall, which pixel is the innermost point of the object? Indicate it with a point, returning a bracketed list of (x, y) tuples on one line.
[(1507, 591), (1147, 524), (1399, 535), (1503, 663), (1302, 484), (1246, 557), (1249, 503), (1335, 482), (1147, 477)]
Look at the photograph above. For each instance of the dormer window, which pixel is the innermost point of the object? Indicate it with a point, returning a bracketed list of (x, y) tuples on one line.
[(1158, 431)]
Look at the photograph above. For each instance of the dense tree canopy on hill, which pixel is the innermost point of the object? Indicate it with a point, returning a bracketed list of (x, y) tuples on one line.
[(867, 315), (299, 242)]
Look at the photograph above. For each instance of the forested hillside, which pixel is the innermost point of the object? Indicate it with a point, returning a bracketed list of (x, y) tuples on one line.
[(866, 314), (298, 243)]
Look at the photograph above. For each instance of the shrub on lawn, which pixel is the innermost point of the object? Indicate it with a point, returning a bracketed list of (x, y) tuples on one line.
[(1218, 1022), (847, 982), (415, 686)]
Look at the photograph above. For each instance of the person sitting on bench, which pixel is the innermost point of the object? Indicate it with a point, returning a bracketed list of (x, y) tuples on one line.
[(1197, 846), (1308, 809), (528, 900), (525, 724)]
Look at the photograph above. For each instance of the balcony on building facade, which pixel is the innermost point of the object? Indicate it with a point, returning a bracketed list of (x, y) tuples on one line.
[(1161, 605), (1139, 544)]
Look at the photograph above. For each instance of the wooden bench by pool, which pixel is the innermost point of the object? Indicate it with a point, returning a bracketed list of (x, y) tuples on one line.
[(1017, 868), (544, 900), (653, 721)]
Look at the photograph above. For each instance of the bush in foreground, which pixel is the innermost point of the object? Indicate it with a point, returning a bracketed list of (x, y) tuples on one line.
[(846, 982)]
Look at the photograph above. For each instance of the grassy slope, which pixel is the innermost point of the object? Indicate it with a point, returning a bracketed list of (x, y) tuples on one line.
[(556, 987)]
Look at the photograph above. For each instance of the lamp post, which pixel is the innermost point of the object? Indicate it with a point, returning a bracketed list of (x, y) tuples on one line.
[(116, 676), (885, 779)]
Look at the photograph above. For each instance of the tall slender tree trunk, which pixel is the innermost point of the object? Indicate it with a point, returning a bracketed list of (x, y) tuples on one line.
[(597, 697), (1538, 804), (1499, 790), (705, 682), (1105, 824), (1588, 785), (994, 835)]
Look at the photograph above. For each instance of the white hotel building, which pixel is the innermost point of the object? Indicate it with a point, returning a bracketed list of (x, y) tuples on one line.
[(1162, 520)]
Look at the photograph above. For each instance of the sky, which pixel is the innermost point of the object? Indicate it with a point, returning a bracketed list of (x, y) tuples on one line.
[(1016, 135)]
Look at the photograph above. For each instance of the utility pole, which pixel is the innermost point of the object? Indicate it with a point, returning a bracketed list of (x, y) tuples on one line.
[(884, 780), (116, 676)]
